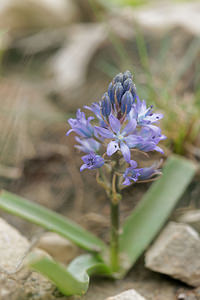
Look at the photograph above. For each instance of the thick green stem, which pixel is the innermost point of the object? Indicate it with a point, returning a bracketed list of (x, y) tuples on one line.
[(114, 243)]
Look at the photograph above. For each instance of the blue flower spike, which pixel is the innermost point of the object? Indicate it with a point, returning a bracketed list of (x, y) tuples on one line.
[(121, 123)]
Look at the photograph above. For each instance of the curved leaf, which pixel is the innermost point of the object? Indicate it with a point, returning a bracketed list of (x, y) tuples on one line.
[(152, 212), (75, 279), (50, 220)]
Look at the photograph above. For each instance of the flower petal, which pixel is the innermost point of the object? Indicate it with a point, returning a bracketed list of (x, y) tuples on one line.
[(154, 118), (105, 133), (83, 167), (132, 140), (125, 151), (126, 182), (155, 129), (69, 131), (112, 148), (85, 158), (114, 123), (130, 127), (159, 149), (133, 164), (87, 145), (148, 172)]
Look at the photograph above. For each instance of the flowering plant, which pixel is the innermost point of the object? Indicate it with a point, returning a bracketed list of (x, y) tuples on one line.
[(124, 126)]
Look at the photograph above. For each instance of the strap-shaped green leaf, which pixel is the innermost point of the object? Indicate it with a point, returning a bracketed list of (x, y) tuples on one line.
[(152, 212), (75, 279), (50, 220)]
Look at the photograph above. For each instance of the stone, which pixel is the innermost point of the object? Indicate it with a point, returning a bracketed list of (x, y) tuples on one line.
[(16, 281), (13, 247), (69, 66), (176, 253), (191, 218), (127, 295), (18, 15), (58, 247), (161, 17)]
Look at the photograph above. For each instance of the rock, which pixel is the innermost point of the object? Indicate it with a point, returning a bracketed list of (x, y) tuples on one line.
[(176, 252), (69, 66), (161, 17), (13, 247), (127, 295), (16, 282), (191, 218), (58, 247), (19, 15), (188, 294)]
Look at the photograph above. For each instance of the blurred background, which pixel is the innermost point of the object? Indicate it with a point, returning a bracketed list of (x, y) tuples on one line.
[(58, 55)]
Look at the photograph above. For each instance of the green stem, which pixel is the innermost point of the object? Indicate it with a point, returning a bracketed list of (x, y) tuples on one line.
[(114, 244), (112, 191)]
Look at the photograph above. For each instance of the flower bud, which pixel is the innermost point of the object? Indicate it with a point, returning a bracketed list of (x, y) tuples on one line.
[(127, 74), (118, 78), (127, 101), (118, 88), (111, 93), (129, 86), (106, 105)]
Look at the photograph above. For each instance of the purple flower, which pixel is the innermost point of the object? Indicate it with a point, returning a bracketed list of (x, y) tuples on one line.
[(118, 136), (147, 139), (131, 174), (92, 161), (123, 123), (81, 125), (96, 109), (143, 114), (149, 172), (87, 145)]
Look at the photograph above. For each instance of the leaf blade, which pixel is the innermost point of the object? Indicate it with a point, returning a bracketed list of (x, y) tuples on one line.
[(75, 279), (50, 220), (150, 215)]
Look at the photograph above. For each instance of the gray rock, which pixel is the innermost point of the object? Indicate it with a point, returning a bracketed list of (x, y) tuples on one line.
[(192, 218), (69, 65), (127, 295), (16, 281), (13, 247), (176, 252), (161, 17), (58, 247), (18, 15)]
